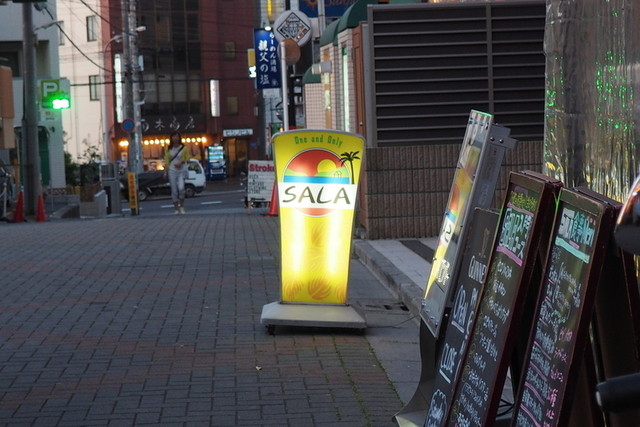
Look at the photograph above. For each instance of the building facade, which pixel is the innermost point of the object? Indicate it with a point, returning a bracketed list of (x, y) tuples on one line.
[(50, 135), (194, 79)]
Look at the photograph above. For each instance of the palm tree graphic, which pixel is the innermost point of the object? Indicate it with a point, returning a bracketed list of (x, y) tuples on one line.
[(350, 157)]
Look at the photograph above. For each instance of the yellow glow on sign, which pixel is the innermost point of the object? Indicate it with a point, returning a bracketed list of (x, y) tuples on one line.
[(317, 172)]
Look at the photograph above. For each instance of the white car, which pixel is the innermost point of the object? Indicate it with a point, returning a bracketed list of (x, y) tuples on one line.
[(196, 180)]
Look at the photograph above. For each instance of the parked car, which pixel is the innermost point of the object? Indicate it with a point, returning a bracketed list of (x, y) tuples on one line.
[(154, 183)]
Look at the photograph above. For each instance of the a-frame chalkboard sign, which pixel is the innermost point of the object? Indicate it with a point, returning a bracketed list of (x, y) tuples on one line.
[(581, 233), (474, 183), (477, 251), (524, 225)]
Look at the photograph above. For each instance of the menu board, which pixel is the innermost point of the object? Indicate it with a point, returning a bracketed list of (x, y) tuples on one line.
[(466, 300), (582, 229), (528, 208)]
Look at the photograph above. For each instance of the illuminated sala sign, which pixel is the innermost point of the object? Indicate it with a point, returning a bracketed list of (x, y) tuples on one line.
[(317, 172), (330, 188)]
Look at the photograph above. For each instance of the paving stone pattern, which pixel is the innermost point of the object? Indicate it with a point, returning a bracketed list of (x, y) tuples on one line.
[(156, 321)]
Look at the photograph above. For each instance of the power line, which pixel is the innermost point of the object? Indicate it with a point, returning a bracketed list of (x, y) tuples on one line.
[(51, 15)]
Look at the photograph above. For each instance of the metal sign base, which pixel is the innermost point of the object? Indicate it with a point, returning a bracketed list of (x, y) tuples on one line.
[(313, 315)]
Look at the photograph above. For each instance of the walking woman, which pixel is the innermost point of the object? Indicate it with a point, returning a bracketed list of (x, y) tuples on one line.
[(176, 156)]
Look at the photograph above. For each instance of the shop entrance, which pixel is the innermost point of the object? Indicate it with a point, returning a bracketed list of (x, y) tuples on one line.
[(237, 153)]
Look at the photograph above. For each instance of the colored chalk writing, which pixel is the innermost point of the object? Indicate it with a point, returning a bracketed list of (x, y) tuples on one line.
[(581, 232), (527, 208), (470, 281)]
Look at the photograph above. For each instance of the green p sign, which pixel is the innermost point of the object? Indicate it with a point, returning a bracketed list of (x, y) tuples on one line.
[(55, 94)]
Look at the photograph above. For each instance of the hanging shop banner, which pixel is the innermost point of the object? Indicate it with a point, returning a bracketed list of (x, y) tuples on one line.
[(317, 174), (267, 60)]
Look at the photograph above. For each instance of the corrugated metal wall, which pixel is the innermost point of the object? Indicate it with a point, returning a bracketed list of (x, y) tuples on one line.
[(433, 63)]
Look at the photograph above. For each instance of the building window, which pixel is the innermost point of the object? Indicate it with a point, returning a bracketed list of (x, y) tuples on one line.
[(10, 59), (94, 88), (61, 37), (232, 105), (230, 50), (92, 28)]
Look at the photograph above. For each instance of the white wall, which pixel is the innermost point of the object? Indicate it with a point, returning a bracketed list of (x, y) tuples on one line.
[(79, 60)]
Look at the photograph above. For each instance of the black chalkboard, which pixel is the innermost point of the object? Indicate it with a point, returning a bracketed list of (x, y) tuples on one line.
[(477, 250), (527, 210), (582, 230)]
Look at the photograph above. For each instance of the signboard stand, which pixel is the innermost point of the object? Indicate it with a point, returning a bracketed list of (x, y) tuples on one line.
[(555, 272), (466, 301), (509, 284), (260, 181), (481, 155), (556, 351), (616, 339), (317, 176), (473, 187), (329, 316)]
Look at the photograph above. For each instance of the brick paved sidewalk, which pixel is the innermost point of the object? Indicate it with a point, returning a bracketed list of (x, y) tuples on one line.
[(156, 321)]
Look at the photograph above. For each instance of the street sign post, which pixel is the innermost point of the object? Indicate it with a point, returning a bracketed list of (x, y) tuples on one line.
[(293, 25)]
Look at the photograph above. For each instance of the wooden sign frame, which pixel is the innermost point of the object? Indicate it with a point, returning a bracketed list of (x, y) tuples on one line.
[(614, 339), (527, 211), (581, 233)]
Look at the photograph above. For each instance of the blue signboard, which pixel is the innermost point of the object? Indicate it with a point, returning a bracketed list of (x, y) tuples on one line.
[(332, 8), (267, 59)]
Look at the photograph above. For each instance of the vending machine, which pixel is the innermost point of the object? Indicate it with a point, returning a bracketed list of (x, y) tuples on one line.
[(216, 163)]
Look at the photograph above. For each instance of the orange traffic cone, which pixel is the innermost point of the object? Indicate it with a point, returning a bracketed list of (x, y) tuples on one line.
[(40, 215), (273, 205), (18, 212)]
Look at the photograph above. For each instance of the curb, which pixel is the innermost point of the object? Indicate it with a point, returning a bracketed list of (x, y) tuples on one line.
[(388, 274)]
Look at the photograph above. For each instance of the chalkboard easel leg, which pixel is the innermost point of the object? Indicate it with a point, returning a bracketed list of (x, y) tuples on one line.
[(415, 412)]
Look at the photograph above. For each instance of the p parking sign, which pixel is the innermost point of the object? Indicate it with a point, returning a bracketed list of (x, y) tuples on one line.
[(55, 94)]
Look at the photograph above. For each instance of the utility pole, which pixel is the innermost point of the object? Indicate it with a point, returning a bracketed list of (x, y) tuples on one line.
[(30, 177), (106, 64), (132, 87)]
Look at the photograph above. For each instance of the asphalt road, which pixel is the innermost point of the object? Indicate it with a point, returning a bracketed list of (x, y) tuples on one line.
[(224, 196)]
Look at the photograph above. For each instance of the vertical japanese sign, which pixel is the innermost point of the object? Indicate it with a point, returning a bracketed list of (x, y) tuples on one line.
[(317, 173), (267, 60), (133, 191)]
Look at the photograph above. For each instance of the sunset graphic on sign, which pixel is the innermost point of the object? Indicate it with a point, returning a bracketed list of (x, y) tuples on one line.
[(316, 166)]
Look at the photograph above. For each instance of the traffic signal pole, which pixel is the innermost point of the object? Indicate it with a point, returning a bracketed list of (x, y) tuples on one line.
[(30, 161)]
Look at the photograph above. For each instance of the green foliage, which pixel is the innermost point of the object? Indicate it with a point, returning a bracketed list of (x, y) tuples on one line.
[(87, 172), (71, 171)]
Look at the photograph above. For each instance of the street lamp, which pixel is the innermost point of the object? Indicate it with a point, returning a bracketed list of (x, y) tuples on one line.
[(106, 129)]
